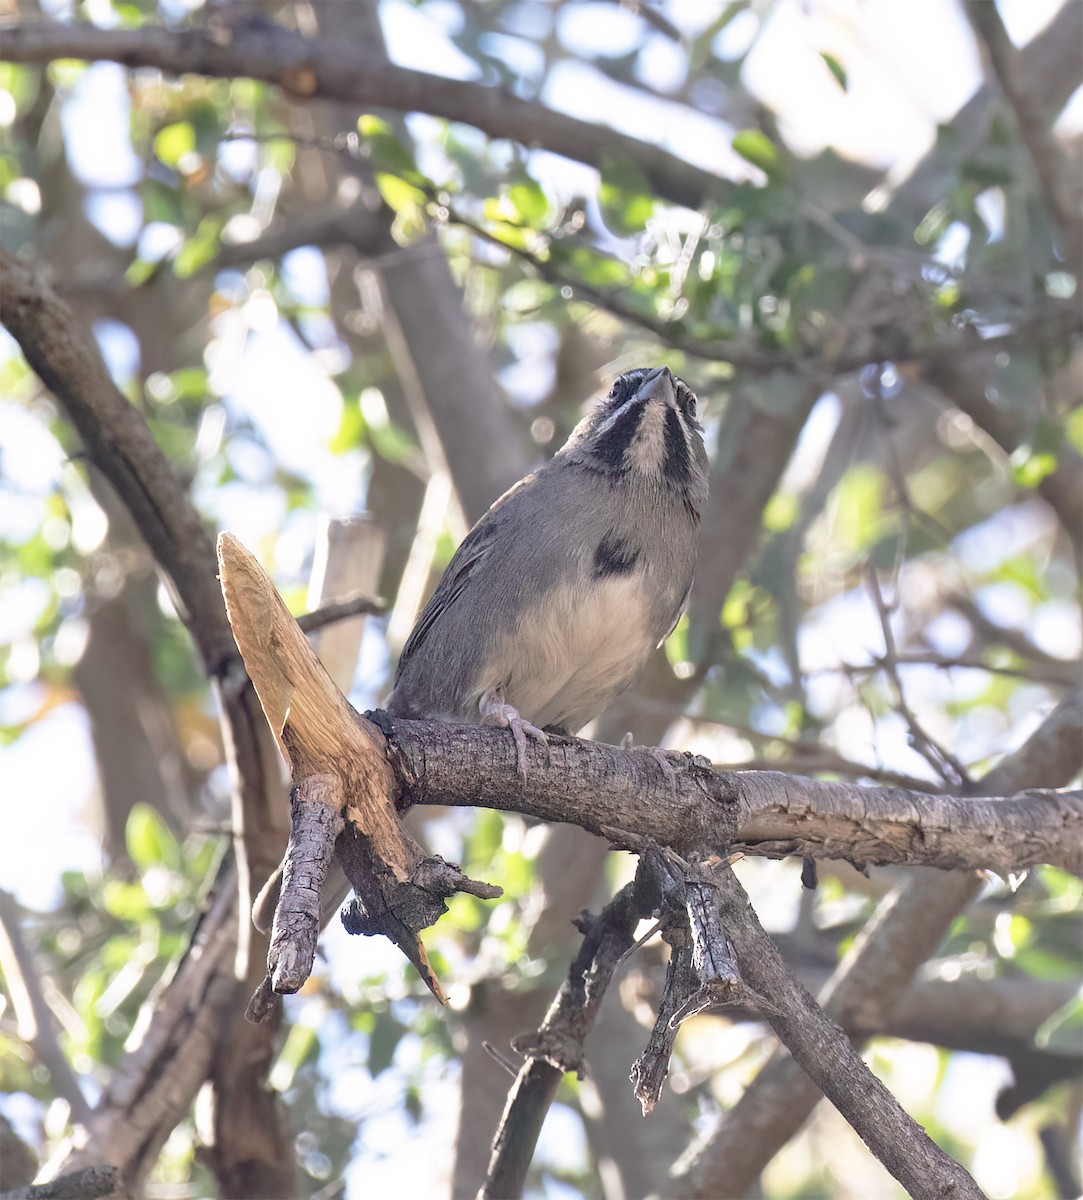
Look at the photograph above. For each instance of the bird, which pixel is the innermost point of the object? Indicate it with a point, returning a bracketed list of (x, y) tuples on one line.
[(559, 594), (557, 597)]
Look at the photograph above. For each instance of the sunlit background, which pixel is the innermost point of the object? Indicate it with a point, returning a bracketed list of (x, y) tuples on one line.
[(275, 446)]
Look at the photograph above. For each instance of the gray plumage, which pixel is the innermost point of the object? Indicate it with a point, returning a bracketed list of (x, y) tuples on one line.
[(559, 594)]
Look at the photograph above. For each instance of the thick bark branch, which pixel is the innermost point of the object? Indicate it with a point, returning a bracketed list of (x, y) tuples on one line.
[(84, 1184), (325, 68), (626, 796), (826, 1055)]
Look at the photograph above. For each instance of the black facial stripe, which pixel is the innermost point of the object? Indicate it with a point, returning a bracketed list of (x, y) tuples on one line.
[(611, 445), (678, 461), (614, 556)]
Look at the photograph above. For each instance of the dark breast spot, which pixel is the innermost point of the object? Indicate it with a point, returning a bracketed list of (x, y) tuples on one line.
[(614, 556)]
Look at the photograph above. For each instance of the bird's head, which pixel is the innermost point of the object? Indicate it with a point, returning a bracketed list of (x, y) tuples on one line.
[(647, 430)]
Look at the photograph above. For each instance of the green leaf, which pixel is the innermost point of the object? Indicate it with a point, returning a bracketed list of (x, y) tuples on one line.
[(372, 126), (199, 249), (149, 840), (596, 269), (836, 68), (383, 1042), (129, 15), (173, 142), (399, 195), (529, 202), (189, 383), (858, 509), (139, 271), (1073, 429), (1061, 1032), (161, 203), (302, 1044), (757, 148), (126, 901), (1029, 468), (933, 225), (676, 645), (385, 151), (987, 174), (625, 195), (780, 512)]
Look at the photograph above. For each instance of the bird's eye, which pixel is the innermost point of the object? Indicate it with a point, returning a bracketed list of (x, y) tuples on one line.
[(687, 400), (624, 385)]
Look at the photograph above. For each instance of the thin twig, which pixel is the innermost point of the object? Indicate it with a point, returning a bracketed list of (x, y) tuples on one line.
[(36, 1022), (946, 765), (500, 1058), (557, 1047), (993, 632), (352, 606), (1068, 677)]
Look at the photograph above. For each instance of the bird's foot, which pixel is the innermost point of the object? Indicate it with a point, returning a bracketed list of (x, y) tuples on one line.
[(496, 711)]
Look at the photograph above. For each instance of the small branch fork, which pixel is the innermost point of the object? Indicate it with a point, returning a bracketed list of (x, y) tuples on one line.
[(720, 956), (342, 803)]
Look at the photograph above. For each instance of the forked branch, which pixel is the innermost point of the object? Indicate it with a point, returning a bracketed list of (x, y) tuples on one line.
[(343, 799)]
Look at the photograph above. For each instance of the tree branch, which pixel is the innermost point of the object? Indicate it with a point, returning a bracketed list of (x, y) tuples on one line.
[(827, 1057), (901, 935), (557, 1046), (340, 770), (35, 1022), (324, 68), (60, 348), (1059, 180), (84, 1184), (768, 813)]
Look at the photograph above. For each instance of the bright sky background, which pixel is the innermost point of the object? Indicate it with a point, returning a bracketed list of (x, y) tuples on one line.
[(909, 65)]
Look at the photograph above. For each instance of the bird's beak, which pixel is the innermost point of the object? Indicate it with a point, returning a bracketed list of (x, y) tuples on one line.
[(658, 385)]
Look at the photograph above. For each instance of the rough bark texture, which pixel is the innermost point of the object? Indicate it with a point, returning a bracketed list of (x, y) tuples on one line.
[(142, 1106), (764, 812), (902, 934)]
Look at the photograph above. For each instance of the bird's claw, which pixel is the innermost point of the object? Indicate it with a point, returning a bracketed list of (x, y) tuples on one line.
[(498, 712)]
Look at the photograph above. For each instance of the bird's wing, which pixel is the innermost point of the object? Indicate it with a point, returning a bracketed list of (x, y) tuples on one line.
[(679, 613), (472, 552)]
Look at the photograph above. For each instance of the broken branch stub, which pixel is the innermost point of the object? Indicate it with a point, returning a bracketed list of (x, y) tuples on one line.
[(343, 795), (702, 972)]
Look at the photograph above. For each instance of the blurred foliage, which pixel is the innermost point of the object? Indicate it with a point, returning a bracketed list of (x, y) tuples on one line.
[(786, 272)]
